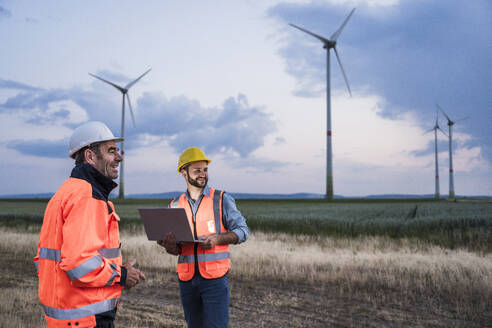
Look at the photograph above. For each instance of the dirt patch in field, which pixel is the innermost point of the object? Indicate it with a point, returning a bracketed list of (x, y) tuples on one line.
[(258, 302), (255, 304), (271, 303)]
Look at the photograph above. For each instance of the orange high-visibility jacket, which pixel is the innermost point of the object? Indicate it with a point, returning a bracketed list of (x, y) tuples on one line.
[(212, 263), (79, 258)]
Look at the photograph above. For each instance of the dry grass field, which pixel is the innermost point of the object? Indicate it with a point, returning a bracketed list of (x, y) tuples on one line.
[(285, 280)]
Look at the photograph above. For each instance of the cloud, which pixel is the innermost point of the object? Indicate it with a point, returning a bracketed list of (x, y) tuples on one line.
[(414, 54), (31, 20), (9, 84), (45, 106), (280, 140), (235, 127), (5, 13), (254, 164), (41, 148)]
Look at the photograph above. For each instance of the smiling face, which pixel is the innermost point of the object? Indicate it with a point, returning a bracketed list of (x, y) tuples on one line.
[(106, 160), (196, 174)]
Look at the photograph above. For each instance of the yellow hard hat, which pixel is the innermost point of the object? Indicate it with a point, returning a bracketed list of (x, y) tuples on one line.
[(192, 154)]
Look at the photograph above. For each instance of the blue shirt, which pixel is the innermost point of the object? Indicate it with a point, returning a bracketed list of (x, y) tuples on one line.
[(234, 220)]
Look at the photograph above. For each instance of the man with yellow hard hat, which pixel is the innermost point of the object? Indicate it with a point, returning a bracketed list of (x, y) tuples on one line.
[(202, 267)]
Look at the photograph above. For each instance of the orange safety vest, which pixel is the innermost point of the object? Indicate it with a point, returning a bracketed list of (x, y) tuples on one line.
[(79, 257), (212, 263)]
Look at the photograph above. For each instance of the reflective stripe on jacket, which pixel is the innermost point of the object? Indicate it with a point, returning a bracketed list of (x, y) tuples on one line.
[(212, 263), (78, 258)]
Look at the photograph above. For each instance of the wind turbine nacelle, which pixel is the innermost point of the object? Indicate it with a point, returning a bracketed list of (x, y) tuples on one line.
[(329, 45)]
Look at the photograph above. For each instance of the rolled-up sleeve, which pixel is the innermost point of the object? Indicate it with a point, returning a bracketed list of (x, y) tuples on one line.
[(235, 221)]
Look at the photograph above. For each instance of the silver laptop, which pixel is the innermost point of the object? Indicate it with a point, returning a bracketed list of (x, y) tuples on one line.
[(158, 222)]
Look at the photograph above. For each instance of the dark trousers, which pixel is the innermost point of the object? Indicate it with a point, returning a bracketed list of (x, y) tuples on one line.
[(205, 302), (106, 319), (104, 323)]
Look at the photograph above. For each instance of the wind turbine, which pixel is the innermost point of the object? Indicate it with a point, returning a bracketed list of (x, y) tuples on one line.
[(435, 128), (124, 92), (330, 44), (450, 125)]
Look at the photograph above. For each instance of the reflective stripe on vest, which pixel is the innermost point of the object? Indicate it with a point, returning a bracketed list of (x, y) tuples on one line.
[(216, 204), (55, 254), (113, 275), (110, 253), (86, 267), (90, 265), (174, 203), (50, 254), (83, 311), (204, 257), (186, 258)]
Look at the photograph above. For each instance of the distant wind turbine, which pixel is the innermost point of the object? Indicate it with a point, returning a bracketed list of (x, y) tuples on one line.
[(450, 125), (124, 91), (330, 44), (435, 128)]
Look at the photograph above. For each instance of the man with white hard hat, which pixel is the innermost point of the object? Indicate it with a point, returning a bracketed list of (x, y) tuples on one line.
[(79, 260), (202, 267)]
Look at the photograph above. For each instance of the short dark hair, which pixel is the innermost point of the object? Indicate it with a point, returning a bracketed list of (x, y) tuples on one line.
[(185, 168), (79, 155)]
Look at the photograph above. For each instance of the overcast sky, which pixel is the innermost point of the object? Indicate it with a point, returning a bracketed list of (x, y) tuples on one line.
[(233, 78)]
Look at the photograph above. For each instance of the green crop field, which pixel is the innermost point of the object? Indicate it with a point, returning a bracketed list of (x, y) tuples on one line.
[(344, 263), (465, 223)]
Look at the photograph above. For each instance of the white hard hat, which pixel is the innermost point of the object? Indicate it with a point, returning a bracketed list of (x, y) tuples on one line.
[(89, 133)]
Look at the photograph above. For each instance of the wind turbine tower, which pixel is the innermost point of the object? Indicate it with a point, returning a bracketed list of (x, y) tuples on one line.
[(124, 92), (450, 125), (435, 128), (329, 44)]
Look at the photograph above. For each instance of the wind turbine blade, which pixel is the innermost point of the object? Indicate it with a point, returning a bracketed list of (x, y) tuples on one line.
[(443, 132), (462, 119), (322, 39), (439, 107), (335, 35), (343, 71), (129, 85), (131, 109), (110, 83), (430, 130)]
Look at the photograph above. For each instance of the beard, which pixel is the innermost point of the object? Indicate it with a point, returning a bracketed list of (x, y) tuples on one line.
[(197, 184)]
